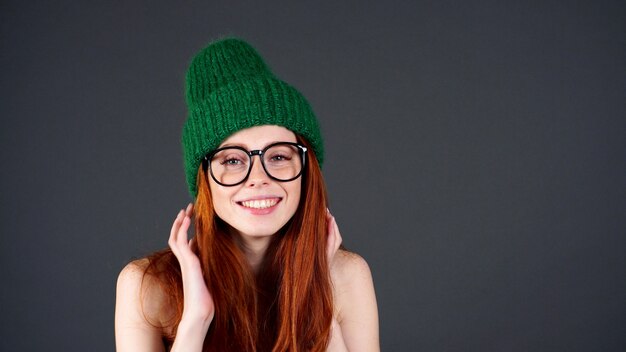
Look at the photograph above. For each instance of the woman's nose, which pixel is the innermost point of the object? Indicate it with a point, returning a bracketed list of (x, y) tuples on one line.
[(257, 176)]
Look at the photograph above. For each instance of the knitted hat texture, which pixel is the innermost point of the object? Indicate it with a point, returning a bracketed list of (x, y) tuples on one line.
[(229, 88)]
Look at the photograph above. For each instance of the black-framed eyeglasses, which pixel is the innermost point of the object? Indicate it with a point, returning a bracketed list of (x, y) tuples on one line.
[(230, 166)]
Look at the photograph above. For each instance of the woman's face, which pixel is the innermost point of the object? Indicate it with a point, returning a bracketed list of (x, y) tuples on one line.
[(259, 206)]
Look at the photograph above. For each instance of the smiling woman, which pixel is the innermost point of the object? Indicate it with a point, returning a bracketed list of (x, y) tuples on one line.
[(264, 270)]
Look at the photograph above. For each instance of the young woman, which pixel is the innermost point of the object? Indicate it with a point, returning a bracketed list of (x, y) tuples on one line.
[(264, 270)]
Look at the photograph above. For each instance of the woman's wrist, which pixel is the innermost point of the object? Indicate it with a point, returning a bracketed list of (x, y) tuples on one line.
[(190, 334), (192, 321)]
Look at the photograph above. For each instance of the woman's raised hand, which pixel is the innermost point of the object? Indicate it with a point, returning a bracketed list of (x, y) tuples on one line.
[(198, 304)]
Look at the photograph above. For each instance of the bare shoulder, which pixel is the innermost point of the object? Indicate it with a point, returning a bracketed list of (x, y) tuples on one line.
[(131, 289), (132, 274), (133, 280), (349, 268), (356, 309), (141, 295), (352, 279), (140, 308)]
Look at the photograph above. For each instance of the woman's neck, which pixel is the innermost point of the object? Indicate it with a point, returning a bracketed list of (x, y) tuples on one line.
[(255, 248)]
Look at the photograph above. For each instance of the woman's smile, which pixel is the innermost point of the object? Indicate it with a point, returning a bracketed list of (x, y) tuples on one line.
[(260, 203), (260, 206)]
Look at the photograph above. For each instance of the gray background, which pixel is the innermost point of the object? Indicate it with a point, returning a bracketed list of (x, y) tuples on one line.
[(475, 157)]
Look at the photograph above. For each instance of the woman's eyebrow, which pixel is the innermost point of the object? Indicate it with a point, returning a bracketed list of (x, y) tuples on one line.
[(244, 146), (233, 145)]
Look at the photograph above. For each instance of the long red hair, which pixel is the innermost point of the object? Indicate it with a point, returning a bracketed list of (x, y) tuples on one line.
[(287, 305)]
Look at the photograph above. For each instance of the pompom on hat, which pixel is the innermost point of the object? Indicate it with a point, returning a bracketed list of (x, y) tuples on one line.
[(229, 88)]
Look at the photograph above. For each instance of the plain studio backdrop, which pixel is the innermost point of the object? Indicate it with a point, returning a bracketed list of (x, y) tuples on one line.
[(476, 157)]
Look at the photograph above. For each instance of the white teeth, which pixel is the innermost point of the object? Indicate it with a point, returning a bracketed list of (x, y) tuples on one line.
[(260, 203)]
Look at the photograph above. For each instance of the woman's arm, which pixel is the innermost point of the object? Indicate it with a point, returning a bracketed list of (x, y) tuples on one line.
[(355, 301), (133, 332), (355, 322)]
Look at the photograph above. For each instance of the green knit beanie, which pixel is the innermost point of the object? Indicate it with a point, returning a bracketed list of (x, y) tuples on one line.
[(230, 88)]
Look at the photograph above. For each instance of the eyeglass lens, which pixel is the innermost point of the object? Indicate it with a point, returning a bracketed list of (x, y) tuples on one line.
[(231, 165)]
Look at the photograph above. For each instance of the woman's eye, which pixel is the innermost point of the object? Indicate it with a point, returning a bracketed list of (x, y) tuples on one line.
[(279, 157), (232, 161)]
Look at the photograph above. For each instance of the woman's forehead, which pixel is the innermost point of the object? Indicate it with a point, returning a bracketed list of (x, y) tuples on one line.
[(258, 137)]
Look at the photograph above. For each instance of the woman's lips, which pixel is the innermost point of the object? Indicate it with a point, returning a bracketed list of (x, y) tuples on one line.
[(260, 206), (260, 203)]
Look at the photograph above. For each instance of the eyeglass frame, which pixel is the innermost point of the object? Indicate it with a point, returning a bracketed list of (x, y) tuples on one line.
[(206, 161)]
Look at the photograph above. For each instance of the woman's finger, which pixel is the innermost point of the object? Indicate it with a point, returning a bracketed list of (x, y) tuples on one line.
[(334, 237), (338, 238), (189, 210), (179, 241), (330, 241), (174, 232), (185, 254), (182, 237)]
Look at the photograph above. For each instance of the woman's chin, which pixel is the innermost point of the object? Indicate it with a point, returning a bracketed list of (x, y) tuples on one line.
[(257, 233)]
